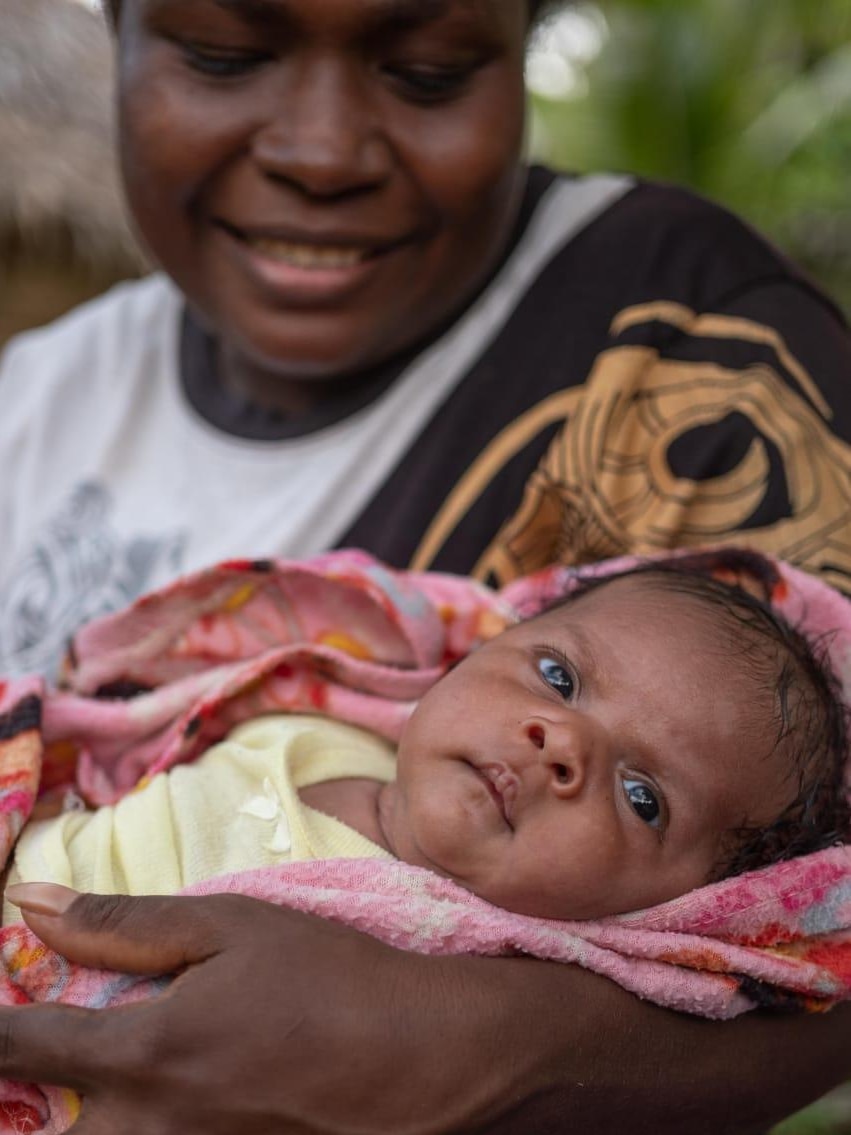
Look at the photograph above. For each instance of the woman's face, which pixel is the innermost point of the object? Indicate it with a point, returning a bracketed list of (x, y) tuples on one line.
[(326, 181)]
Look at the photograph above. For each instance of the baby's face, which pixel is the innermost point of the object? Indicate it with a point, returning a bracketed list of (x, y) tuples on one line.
[(588, 762)]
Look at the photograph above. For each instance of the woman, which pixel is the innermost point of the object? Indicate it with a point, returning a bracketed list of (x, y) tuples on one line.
[(386, 332)]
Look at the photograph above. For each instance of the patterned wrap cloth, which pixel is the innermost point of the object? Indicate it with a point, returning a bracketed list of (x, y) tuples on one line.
[(343, 635)]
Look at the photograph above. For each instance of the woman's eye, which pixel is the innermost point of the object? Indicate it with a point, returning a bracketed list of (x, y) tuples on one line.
[(220, 63), (430, 84), (643, 801), (557, 676)]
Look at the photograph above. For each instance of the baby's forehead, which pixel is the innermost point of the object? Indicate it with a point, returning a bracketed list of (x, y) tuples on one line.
[(641, 593), (677, 613), (692, 654)]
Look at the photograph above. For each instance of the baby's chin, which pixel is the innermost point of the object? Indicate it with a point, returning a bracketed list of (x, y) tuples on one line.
[(391, 819)]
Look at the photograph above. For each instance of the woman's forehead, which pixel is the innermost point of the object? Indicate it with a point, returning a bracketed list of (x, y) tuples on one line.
[(392, 11), (491, 24)]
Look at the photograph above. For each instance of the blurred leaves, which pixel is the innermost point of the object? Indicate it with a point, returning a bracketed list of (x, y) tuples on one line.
[(747, 101), (830, 1117)]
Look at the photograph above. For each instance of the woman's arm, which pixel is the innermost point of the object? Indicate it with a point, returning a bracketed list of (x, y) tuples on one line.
[(284, 1023)]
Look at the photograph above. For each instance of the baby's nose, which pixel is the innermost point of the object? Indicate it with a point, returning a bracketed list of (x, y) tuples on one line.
[(566, 749)]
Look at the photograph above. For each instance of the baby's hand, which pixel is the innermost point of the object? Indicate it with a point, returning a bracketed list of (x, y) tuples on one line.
[(53, 804), (47, 809)]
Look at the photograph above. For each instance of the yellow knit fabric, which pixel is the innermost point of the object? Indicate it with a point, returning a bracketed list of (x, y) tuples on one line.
[(235, 808)]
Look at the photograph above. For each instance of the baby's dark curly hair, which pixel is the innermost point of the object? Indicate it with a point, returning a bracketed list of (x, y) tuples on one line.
[(811, 720)]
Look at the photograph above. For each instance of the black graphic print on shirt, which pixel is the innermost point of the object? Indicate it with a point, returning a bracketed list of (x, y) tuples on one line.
[(77, 567)]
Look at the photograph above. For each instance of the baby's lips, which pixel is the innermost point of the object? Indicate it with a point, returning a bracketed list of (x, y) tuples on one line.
[(506, 784)]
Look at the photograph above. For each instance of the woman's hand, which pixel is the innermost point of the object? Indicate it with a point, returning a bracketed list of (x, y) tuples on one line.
[(283, 1023)]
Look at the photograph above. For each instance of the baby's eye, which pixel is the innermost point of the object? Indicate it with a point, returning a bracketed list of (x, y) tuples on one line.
[(558, 676), (643, 801)]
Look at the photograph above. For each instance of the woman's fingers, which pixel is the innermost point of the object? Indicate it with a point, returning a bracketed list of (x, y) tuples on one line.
[(279, 1022), (110, 1116), (57, 1044), (151, 935), (179, 1063)]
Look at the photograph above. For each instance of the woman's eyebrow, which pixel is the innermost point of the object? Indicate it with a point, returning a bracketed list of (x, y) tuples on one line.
[(398, 15), (253, 9), (378, 15)]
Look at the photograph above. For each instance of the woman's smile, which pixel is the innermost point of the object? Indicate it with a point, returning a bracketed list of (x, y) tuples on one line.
[(375, 208), (304, 272)]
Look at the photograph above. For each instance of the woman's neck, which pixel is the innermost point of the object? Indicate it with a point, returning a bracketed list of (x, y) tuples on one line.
[(248, 402), (244, 399)]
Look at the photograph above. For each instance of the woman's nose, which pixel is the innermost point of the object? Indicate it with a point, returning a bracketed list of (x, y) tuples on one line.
[(566, 749), (324, 138)]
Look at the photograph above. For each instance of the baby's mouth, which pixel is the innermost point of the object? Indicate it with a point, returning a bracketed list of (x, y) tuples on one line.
[(503, 785)]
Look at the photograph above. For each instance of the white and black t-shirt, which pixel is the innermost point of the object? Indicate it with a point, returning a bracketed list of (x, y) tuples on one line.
[(640, 371)]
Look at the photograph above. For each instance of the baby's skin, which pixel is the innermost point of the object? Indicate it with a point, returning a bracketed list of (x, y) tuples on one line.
[(584, 763)]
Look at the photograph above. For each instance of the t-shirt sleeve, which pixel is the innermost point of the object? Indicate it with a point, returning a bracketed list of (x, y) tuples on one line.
[(728, 425)]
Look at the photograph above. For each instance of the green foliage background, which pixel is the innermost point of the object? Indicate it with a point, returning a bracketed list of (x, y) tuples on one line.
[(747, 101)]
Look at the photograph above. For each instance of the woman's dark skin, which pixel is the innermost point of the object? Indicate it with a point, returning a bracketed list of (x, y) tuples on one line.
[(387, 129), (409, 152), (284, 1023)]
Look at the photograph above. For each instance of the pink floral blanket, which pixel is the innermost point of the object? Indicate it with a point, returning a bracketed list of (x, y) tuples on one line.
[(343, 635)]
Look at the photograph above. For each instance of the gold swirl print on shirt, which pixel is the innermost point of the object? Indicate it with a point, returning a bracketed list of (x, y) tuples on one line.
[(605, 486)]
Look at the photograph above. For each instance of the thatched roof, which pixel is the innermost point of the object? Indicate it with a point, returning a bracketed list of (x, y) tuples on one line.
[(59, 184)]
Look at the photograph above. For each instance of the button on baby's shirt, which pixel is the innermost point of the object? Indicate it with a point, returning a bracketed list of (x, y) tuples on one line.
[(268, 808)]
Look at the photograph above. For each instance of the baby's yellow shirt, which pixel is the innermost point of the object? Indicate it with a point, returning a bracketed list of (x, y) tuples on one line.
[(235, 808)]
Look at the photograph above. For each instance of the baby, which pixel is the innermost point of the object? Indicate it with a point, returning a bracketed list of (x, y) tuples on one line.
[(654, 732)]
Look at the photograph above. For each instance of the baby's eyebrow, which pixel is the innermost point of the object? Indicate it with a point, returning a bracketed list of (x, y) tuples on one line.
[(685, 790), (581, 648)]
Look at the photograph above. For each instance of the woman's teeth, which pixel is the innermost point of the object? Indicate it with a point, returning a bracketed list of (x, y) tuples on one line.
[(308, 255)]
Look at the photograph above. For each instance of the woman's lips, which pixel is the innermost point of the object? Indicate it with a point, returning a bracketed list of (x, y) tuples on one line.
[(303, 270), (311, 256), (307, 249), (502, 784)]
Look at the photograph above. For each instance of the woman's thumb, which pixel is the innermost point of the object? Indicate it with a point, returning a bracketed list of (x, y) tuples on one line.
[(149, 935)]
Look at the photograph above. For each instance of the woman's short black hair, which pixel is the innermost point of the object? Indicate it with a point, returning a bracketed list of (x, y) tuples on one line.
[(539, 8)]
